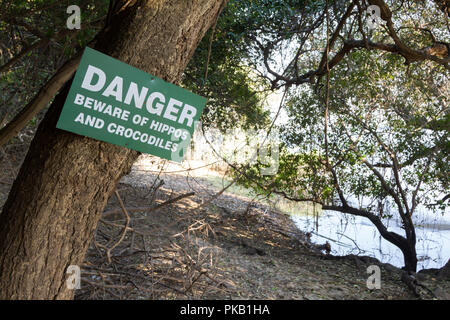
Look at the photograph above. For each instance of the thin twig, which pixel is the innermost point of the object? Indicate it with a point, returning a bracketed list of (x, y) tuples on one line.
[(124, 231)]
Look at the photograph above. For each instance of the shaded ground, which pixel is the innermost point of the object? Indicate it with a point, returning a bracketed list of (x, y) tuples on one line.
[(205, 248), (230, 248)]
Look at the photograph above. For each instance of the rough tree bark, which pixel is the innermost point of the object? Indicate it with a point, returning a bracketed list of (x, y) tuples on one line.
[(65, 181)]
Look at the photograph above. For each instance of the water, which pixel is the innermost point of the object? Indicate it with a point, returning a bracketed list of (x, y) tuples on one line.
[(356, 235)]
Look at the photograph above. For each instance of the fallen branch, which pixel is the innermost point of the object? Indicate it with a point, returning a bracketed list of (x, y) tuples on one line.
[(150, 209)]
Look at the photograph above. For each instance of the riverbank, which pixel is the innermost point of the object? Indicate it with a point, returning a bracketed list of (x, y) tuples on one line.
[(196, 246), (229, 247)]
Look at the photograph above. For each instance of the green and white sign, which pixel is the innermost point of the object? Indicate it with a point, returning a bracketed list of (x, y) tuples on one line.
[(117, 103)]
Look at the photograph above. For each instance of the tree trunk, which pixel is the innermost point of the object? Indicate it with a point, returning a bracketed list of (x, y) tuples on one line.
[(65, 181), (406, 244), (409, 252), (410, 258)]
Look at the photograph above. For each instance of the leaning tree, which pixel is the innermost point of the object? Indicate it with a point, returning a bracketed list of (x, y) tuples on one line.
[(65, 180)]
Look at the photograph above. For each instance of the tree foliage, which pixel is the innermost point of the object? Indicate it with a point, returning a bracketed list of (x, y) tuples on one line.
[(368, 117), (35, 42), (367, 108)]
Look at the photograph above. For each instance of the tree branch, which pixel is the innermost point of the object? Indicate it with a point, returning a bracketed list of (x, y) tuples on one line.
[(40, 100)]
